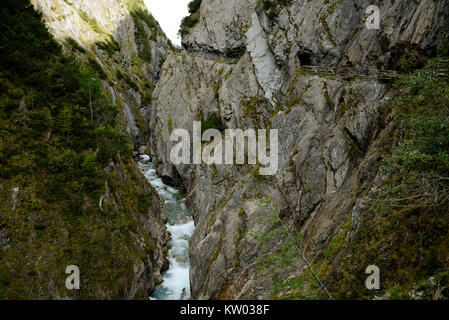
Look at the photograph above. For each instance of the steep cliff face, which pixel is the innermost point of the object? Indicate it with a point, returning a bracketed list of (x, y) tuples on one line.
[(70, 192), (125, 43), (323, 32), (244, 64)]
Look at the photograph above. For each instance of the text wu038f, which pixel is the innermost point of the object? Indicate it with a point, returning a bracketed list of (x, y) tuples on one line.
[(233, 146)]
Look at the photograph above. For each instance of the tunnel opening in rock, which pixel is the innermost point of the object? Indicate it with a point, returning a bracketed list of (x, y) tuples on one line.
[(305, 58)]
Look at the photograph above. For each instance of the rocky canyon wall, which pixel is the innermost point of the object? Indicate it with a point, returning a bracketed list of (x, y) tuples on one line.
[(243, 62), (115, 231)]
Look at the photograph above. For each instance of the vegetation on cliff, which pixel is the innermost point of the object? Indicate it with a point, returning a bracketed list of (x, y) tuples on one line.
[(142, 20), (62, 151), (272, 8), (410, 215), (404, 221), (192, 19), (404, 229)]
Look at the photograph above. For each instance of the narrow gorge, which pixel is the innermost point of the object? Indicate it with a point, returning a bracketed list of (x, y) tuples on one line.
[(353, 187), (176, 280), (244, 62)]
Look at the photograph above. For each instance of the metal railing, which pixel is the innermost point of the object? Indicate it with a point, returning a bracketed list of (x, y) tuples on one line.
[(387, 75)]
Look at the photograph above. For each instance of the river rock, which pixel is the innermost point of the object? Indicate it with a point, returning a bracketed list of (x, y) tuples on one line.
[(143, 150)]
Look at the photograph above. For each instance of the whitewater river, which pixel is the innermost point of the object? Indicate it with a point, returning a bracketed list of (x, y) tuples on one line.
[(176, 285)]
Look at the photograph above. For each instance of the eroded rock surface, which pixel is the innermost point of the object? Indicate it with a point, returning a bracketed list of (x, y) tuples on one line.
[(329, 127)]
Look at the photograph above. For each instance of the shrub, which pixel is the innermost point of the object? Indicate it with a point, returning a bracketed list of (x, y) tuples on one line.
[(75, 45), (190, 21), (213, 122), (110, 46), (111, 142), (423, 110), (127, 79), (444, 49), (92, 22), (147, 99), (194, 6), (98, 69)]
